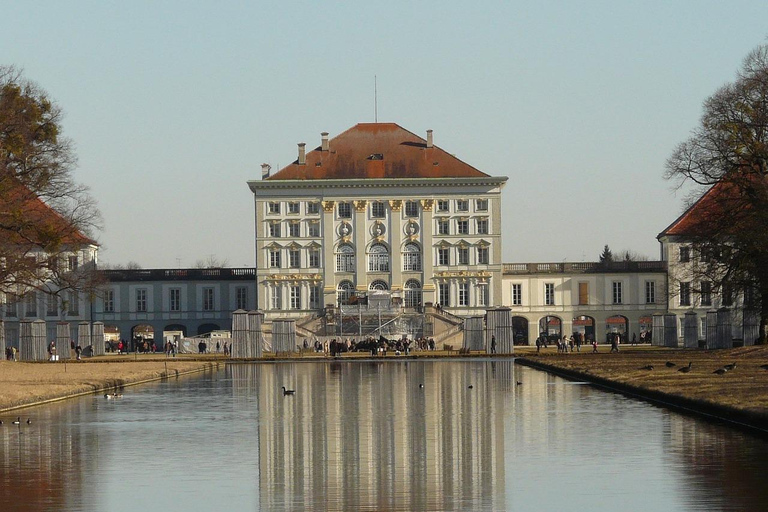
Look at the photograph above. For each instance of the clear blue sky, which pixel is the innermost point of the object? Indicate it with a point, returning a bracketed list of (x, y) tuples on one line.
[(173, 106)]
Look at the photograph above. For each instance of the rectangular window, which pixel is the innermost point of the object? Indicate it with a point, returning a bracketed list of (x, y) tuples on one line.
[(443, 256), (295, 297), (727, 295), (482, 295), (463, 255), (52, 303), (549, 294), (241, 297), (482, 226), (314, 258), (706, 293), (314, 297), (650, 292), (293, 207), (442, 205), (10, 305), (685, 254), (74, 304), (481, 205), (313, 208), (462, 226), (275, 298), (617, 292), (442, 226), (294, 230), (294, 258), (274, 229), (274, 258), (462, 205), (174, 299), (378, 210), (345, 210), (482, 256), (444, 294), (463, 294), (411, 209), (273, 207), (517, 294), (208, 302), (685, 294), (141, 300), (314, 229), (31, 304), (583, 294), (72, 263), (345, 260)]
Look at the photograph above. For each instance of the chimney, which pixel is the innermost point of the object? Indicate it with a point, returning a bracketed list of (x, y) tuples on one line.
[(324, 143), (265, 168), (429, 138), (302, 154)]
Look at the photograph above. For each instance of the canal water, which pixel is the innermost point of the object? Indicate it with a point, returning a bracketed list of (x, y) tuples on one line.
[(435, 435)]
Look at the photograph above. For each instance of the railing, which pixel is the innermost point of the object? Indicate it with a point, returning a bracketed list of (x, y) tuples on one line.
[(584, 267), (180, 274)]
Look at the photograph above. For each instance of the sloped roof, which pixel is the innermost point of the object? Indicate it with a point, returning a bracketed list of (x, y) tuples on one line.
[(377, 150), (723, 196), (28, 219)]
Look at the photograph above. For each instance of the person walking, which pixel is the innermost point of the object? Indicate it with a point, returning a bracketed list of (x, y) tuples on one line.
[(493, 344), (594, 345)]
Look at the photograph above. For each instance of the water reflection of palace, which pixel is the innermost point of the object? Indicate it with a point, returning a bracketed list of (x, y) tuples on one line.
[(365, 438), (42, 466)]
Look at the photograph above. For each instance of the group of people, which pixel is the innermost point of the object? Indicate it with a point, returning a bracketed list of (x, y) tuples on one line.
[(377, 347)]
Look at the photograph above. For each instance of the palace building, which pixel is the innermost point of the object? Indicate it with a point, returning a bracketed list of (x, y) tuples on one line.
[(377, 215)]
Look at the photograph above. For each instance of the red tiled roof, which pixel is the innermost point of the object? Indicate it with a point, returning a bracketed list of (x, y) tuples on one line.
[(377, 150), (28, 219), (725, 195)]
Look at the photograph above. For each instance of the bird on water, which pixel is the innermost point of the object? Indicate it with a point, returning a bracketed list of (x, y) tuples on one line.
[(17, 421), (29, 421), (686, 369), (470, 386), (288, 391), (648, 367), (670, 364), (730, 367), (720, 371)]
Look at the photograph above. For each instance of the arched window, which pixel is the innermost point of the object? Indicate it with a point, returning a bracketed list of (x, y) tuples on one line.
[(411, 257), (345, 258), (344, 291), (378, 258), (379, 285), (412, 293)]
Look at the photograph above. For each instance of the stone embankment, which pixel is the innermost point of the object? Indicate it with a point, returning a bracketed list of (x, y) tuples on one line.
[(25, 384), (730, 385)]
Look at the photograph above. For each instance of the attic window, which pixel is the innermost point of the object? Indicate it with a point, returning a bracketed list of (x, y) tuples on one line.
[(376, 156)]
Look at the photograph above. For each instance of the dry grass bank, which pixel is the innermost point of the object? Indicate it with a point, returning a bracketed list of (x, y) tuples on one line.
[(744, 390), (24, 384)]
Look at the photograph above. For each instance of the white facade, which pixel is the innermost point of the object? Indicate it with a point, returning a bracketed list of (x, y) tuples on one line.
[(621, 298), (419, 240)]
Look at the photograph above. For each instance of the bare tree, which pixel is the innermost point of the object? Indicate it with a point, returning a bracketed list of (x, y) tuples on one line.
[(727, 155), (46, 217), (212, 261)]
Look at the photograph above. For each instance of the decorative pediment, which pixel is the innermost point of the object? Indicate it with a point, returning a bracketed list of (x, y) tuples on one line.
[(360, 205), (328, 206), (483, 243), (396, 205), (427, 204)]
